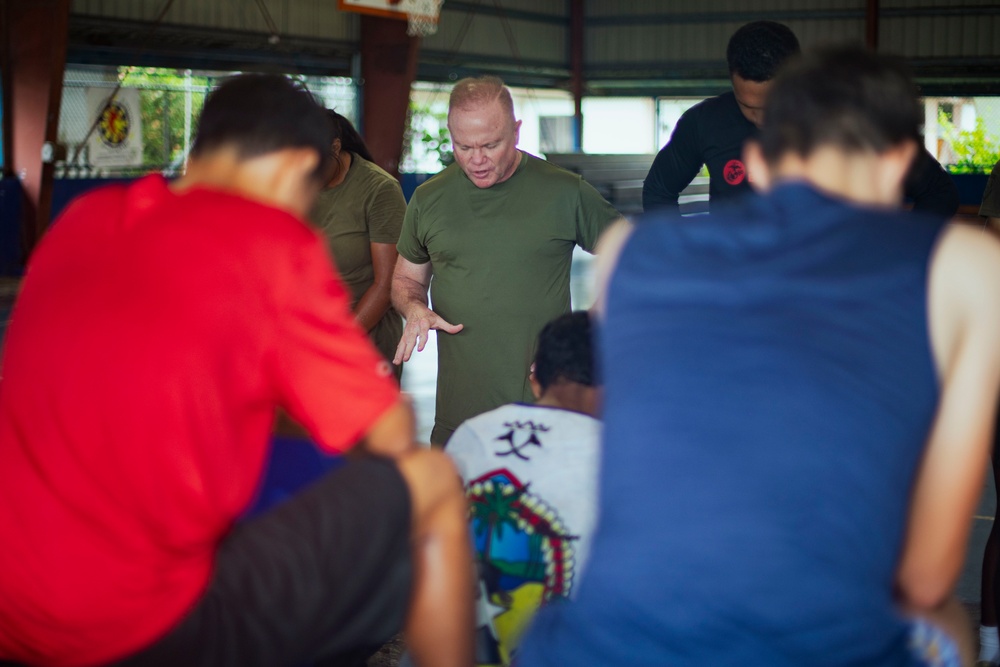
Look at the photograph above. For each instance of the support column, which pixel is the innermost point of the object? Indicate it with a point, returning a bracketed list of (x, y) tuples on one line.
[(576, 64), (388, 68), (871, 24), (34, 53)]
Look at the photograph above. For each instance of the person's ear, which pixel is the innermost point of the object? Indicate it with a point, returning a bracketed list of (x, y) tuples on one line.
[(758, 171), (517, 132), (336, 147), (593, 397), (536, 387)]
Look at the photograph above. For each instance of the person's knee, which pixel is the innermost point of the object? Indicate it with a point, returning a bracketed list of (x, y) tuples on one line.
[(432, 480)]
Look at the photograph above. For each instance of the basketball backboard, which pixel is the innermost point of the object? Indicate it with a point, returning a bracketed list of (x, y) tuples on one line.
[(396, 9), (422, 15)]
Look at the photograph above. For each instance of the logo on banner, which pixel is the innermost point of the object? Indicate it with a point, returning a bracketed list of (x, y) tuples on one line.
[(114, 124), (117, 137)]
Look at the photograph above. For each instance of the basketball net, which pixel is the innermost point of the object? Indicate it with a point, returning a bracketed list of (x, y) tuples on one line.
[(422, 16)]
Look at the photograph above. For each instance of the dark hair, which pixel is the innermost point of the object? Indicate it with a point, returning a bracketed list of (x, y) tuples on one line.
[(262, 113), (565, 351), (350, 140), (758, 49), (848, 97)]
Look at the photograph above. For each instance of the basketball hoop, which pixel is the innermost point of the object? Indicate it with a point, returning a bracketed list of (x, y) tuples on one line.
[(422, 16)]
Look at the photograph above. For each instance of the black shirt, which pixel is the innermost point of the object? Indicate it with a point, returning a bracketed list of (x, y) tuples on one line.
[(713, 132)]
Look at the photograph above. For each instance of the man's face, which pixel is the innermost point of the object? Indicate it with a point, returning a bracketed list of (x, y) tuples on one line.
[(485, 142), (751, 95)]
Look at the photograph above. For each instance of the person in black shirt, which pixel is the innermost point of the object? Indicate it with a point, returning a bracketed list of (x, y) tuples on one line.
[(713, 132)]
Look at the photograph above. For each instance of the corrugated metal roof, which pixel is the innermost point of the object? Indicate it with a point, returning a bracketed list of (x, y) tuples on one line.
[(624, 40), (306, 18)]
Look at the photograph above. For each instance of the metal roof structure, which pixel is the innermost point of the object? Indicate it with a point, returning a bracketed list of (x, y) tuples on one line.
[(626, 47)]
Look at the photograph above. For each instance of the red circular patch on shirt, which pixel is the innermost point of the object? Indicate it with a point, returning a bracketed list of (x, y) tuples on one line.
[(734, 172)]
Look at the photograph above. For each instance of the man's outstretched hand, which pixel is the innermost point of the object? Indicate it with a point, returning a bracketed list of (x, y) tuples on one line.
[(417, 330)]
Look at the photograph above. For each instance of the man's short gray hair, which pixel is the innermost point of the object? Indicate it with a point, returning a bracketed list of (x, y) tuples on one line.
[(476, 91)]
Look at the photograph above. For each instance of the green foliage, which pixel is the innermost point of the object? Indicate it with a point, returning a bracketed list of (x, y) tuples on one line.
[(975, 151), (439, 142), (162, 107), (430, 128)]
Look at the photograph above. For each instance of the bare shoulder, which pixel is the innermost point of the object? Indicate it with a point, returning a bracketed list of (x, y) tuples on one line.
[(964, 289), (968, 259), (609, 248)]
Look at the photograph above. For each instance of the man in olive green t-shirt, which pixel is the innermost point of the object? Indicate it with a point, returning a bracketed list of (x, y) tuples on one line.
[(496, 231)]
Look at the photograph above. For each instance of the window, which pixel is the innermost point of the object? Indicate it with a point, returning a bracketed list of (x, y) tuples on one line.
[(155, 123), (963, 133)]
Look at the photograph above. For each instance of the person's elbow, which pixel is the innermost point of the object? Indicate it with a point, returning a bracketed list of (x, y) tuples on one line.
[(401, 290), (656, 195), (396, 294), (392, 434), (923, 586)]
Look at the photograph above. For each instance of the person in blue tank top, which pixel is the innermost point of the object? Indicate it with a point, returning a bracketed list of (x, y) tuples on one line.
[(800, 393)]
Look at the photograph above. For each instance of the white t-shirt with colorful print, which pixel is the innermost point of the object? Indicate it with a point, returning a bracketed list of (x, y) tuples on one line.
[(530, 474)]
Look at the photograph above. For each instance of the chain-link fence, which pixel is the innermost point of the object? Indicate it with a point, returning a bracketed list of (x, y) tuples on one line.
[(153, 124), (963, 133)]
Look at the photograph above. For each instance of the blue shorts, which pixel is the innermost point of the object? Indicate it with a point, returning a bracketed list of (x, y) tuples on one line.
[(932, 645)]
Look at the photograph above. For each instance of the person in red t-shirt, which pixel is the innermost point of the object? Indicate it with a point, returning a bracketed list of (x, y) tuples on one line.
[(159, 327)]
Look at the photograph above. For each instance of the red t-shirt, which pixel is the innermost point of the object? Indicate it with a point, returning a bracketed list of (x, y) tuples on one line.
[(153, 338)]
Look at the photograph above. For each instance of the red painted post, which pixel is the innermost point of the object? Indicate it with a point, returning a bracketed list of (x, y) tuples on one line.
[(34, 52), (871, 24), (576, 61), (388, 68)]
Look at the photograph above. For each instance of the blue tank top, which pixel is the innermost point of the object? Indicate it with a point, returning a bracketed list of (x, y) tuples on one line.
[(769, 389)]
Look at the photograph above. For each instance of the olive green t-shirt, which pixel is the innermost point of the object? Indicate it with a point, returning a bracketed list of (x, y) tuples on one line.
[(367, 207), (500, 260)]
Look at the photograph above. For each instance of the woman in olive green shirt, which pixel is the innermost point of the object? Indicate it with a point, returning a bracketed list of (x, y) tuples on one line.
[(360, 211)]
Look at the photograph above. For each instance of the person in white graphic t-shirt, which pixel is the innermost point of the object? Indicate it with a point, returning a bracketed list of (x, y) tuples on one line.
[(530, 473)]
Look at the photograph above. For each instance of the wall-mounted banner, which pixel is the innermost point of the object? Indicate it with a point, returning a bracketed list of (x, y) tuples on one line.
[(117, 139)]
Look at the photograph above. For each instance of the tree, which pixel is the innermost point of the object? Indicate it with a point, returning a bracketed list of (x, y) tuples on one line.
[(495, 510), (162, 99), (975, 151), (427, 142)]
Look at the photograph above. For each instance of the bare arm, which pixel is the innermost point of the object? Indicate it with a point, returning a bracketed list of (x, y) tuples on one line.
[(609, 248), (392, 434), (964, 313), (376, 300), (409, 296), (440, 625)]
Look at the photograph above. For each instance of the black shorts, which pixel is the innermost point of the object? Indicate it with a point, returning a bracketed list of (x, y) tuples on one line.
[(323, 577)]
